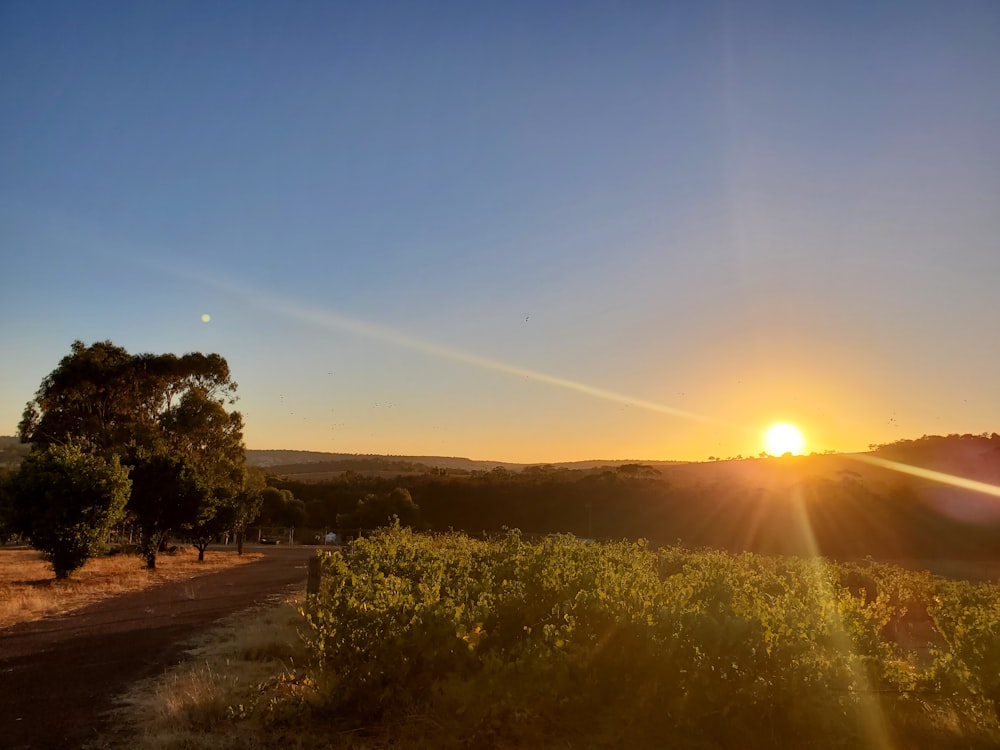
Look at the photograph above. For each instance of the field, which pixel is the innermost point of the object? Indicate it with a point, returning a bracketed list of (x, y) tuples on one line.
[(445, 641), (28, 590)]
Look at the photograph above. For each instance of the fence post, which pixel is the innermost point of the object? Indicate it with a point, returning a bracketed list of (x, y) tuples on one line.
[(313, 576)]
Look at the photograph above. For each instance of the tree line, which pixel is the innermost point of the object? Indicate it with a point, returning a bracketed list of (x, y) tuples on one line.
[(844, 515)]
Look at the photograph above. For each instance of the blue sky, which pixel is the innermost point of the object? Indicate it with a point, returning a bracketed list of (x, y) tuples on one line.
[(516, 230)]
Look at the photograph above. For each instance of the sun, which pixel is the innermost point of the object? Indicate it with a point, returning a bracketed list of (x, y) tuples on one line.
[(782, 438)]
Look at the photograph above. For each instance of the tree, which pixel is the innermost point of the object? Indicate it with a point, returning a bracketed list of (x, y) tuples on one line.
[(245, 504), (65, 501), (204, 532), (86, 399), (199, 428), (281, 508), (166, 494), (376, 510), (163, 415), (103, 398)]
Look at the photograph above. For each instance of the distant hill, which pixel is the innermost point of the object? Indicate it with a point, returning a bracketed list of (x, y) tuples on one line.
[(293, 463), (301, 462), (322, 465)]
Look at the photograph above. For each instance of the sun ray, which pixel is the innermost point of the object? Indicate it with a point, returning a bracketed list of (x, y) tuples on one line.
[(324, 318), (934, 476)]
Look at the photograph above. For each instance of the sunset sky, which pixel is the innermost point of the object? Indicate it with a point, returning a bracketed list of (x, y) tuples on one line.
[(534, 231)]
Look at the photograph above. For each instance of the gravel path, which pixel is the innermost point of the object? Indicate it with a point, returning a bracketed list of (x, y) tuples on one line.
[(59, 676)]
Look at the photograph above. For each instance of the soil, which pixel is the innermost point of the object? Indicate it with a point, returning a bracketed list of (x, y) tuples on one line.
[(59, 676)]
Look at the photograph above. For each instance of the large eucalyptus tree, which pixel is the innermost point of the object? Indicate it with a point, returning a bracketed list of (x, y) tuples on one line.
[(165, 416)]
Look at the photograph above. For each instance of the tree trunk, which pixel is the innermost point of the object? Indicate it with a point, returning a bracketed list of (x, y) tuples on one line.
[(150, 544), (239, 542)]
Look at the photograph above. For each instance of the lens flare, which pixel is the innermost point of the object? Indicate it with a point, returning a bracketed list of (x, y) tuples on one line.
[(935, 476)]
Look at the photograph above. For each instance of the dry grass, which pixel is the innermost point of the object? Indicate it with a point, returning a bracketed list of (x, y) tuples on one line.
[(28, 590), (191, 705)]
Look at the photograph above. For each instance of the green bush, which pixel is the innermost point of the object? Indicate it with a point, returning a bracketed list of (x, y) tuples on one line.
[(65, 500), (618, 643)]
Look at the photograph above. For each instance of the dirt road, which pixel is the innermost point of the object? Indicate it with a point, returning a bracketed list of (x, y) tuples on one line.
[(59, 676)]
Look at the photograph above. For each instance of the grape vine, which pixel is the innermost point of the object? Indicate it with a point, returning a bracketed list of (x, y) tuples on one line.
[(595, 640)]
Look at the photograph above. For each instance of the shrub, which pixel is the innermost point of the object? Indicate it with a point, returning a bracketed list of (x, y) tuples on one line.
[(65, 501)]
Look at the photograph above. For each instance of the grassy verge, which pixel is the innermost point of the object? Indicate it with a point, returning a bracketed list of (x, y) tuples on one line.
[(247, 685), (29, 592), (214, 699)]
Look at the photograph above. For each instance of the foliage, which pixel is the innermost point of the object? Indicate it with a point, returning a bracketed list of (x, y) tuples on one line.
[(935, 449), (164, 416), (104, 398), (65, 500), (207, 530), (167, 493), (381, 509), (648, 647), (200, 429), (280, 507), (968, 617), (244, 506)]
